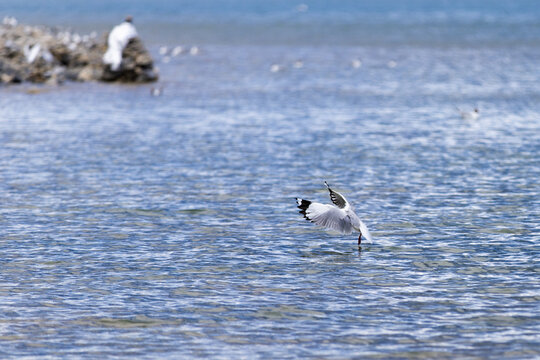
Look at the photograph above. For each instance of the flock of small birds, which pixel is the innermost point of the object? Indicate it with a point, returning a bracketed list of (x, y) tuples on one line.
[(167, 53), (33, 52), (298, 64)]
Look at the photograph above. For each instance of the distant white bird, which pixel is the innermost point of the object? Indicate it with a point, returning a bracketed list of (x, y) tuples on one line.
[(163, 50), (177, 50), (276, 68), (302, 8), (10, 21), (76, 38), (339, 217), (469, 115), (298, 64), (356, 63), (118, 39), (47, 56), (156, 91), (31, 52)]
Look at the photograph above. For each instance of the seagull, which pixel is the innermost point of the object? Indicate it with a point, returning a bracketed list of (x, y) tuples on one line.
[(31, 52), (10, 21), (118, 39), (163, 50), (356, 63), (469, 115), (339, 217), (302, 8), (156, 91), (177, 51), (276, 68)]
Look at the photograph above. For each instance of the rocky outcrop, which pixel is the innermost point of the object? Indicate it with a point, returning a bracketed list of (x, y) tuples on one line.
[(49, 55), (137, 65)]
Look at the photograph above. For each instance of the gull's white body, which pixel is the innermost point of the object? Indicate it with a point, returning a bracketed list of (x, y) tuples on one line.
[(339, 217), (469, 115), (31, 52), (117, 41)]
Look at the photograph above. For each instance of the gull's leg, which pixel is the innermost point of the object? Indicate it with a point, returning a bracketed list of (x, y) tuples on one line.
[(360, 239)]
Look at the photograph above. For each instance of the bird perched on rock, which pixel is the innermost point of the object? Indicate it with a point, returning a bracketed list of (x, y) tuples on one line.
[(31, 52), (117, 41)]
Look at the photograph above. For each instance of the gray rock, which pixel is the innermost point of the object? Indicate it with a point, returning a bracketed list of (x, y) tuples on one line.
[(137, 65)]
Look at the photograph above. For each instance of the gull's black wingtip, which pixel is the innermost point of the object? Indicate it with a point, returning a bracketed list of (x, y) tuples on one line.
[(303, 205)]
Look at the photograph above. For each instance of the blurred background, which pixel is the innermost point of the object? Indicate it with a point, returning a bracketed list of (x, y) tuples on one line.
[(477, 23)]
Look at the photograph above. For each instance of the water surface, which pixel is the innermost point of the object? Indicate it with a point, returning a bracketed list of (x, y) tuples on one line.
[(133, 225)]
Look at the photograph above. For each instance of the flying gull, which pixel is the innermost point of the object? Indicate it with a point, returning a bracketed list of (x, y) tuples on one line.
[(339, 217)]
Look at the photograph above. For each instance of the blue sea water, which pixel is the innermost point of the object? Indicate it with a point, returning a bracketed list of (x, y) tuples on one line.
[(166, 227)]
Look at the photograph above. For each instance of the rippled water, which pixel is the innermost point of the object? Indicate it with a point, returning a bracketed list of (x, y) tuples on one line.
[(166, 227)]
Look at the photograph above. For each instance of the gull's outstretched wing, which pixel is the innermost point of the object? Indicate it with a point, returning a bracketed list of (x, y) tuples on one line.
[(327, 216), (338, 199)]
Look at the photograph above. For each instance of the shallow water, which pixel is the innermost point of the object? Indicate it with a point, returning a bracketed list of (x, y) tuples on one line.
[(133, 225)]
